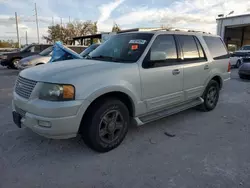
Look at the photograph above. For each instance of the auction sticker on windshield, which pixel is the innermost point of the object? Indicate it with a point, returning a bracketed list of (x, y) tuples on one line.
[(137, 41)]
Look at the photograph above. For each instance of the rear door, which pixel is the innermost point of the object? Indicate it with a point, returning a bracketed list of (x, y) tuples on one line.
[(195, 66)]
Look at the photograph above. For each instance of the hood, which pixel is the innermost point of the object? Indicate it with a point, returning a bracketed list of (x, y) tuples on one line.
[(244, 67), (63, 71)]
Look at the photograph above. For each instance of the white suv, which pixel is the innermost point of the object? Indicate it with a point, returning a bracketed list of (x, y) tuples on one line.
[(140, 76)]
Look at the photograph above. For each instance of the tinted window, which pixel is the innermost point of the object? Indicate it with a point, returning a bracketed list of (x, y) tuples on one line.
[(216, 47), (37, 48), (31, 49), (164, 45), (189, 47)]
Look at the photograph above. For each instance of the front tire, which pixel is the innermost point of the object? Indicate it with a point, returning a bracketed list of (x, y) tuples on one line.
[(14, 63), (210, 96), (106, 125)]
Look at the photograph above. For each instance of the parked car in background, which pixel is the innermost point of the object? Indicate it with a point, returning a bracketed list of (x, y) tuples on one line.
[(244, 70), (35, 60), (89, 49), (137, 76), (42, 58), (11, 59), (236, 57)]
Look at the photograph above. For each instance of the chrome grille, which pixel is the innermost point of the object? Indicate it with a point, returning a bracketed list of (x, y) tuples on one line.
[(20, 111), (24, 87)]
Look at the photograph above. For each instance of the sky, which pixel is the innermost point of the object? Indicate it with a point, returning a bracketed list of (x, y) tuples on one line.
[(188, 14)]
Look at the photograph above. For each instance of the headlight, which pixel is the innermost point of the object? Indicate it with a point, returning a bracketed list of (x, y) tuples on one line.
[(57, 92), (3, 57)]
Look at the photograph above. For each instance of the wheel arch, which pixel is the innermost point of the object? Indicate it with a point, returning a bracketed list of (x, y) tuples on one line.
[(218, 79), (122, 96)]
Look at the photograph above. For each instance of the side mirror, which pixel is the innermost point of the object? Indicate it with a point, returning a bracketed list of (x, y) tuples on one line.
[(158, 56)]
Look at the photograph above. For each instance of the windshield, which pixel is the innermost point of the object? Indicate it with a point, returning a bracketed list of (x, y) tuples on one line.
[(47, 51), (89, 49), (245, 48), (122, 47)]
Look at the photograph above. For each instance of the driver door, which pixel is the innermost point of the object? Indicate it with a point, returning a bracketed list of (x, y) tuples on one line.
[(162, 74)]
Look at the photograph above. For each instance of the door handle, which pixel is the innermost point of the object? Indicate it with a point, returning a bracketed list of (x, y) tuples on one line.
[(176, 71), (206, 67)]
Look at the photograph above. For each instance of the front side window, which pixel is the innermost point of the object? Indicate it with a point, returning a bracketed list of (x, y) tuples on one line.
[(31, 49), (162, 52), (37, 48), (189, 47), (122, 48)]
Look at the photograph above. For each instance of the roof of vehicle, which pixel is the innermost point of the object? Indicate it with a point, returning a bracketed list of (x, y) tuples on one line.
[(176, 31)]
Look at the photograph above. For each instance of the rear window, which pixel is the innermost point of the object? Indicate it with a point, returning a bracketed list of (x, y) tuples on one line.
[(216, 47)]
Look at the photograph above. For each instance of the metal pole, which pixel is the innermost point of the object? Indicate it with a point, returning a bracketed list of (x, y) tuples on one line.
[(61, 30), (69, 19), (17, 31), (52, 20), (37, 27), (26, 35)]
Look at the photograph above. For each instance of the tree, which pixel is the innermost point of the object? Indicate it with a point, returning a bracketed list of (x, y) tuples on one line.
[(66, 33), (116, 28), (8, 44)]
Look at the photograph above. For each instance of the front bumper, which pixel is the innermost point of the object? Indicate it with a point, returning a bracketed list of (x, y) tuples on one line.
[(4, 62), (244, 73), (21, 66), (57, 120)]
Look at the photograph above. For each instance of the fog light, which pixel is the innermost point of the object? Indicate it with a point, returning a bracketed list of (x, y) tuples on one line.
[(44, 123)]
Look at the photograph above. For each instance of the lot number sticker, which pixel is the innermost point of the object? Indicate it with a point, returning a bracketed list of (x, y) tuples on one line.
[(137, 41)]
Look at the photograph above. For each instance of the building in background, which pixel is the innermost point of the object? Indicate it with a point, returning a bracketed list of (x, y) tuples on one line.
[(103, 36), (234, 30)]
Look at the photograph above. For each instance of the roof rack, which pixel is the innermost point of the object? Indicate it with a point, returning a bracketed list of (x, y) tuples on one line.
[(181, 30)]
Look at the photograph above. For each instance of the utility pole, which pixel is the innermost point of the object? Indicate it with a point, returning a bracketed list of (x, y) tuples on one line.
[(69, 19), (17, 32), (61, 30), (52, 20), (26, 36), (37, 27)]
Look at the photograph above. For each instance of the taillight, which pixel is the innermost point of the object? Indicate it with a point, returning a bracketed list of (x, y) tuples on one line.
[(229, 67)]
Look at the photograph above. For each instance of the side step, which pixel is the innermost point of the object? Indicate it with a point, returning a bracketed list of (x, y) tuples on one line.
[(168, 111)]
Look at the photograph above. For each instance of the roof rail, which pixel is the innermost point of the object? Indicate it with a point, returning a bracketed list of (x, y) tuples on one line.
[(181, 30)]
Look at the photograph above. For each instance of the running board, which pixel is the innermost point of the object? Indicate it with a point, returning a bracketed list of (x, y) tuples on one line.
[(167, 112)]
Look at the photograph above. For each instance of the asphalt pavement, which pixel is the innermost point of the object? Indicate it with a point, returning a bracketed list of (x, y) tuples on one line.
[(187, 150)]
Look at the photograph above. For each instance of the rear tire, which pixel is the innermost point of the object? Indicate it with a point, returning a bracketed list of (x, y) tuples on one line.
[(105, 125), (210, 96)]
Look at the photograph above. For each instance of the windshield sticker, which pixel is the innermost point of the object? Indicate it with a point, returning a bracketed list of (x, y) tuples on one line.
[(137, 41), (134, 47)]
